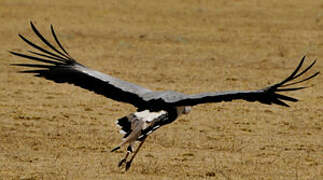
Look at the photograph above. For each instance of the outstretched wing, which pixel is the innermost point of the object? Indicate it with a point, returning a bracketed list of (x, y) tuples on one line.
[(268, 95), (57, 65)]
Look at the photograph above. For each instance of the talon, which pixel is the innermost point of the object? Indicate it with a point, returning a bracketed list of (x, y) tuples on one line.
[(121, 162), (128, 164)]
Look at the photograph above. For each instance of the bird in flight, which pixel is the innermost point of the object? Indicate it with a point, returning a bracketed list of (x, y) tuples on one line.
[(154, 108)]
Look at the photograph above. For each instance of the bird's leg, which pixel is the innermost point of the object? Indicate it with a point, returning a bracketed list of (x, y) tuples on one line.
[(128, 164), (124, 159), (129, 150)]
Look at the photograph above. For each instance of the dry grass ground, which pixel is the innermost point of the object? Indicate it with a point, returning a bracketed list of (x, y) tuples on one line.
[(59, 131)]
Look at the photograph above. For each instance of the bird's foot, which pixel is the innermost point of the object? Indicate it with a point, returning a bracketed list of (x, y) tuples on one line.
[(121, 162), (128, 164)]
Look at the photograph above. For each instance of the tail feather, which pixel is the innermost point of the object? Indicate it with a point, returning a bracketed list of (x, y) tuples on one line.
[(125, 125), (116, 148)]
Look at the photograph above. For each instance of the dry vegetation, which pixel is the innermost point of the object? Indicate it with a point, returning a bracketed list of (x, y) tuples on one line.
[(59, 131)]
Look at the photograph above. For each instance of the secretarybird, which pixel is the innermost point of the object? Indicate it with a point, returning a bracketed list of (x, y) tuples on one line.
[(154, 108)]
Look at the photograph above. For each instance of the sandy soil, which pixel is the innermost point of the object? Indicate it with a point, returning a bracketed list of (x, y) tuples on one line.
[(59, 131)]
